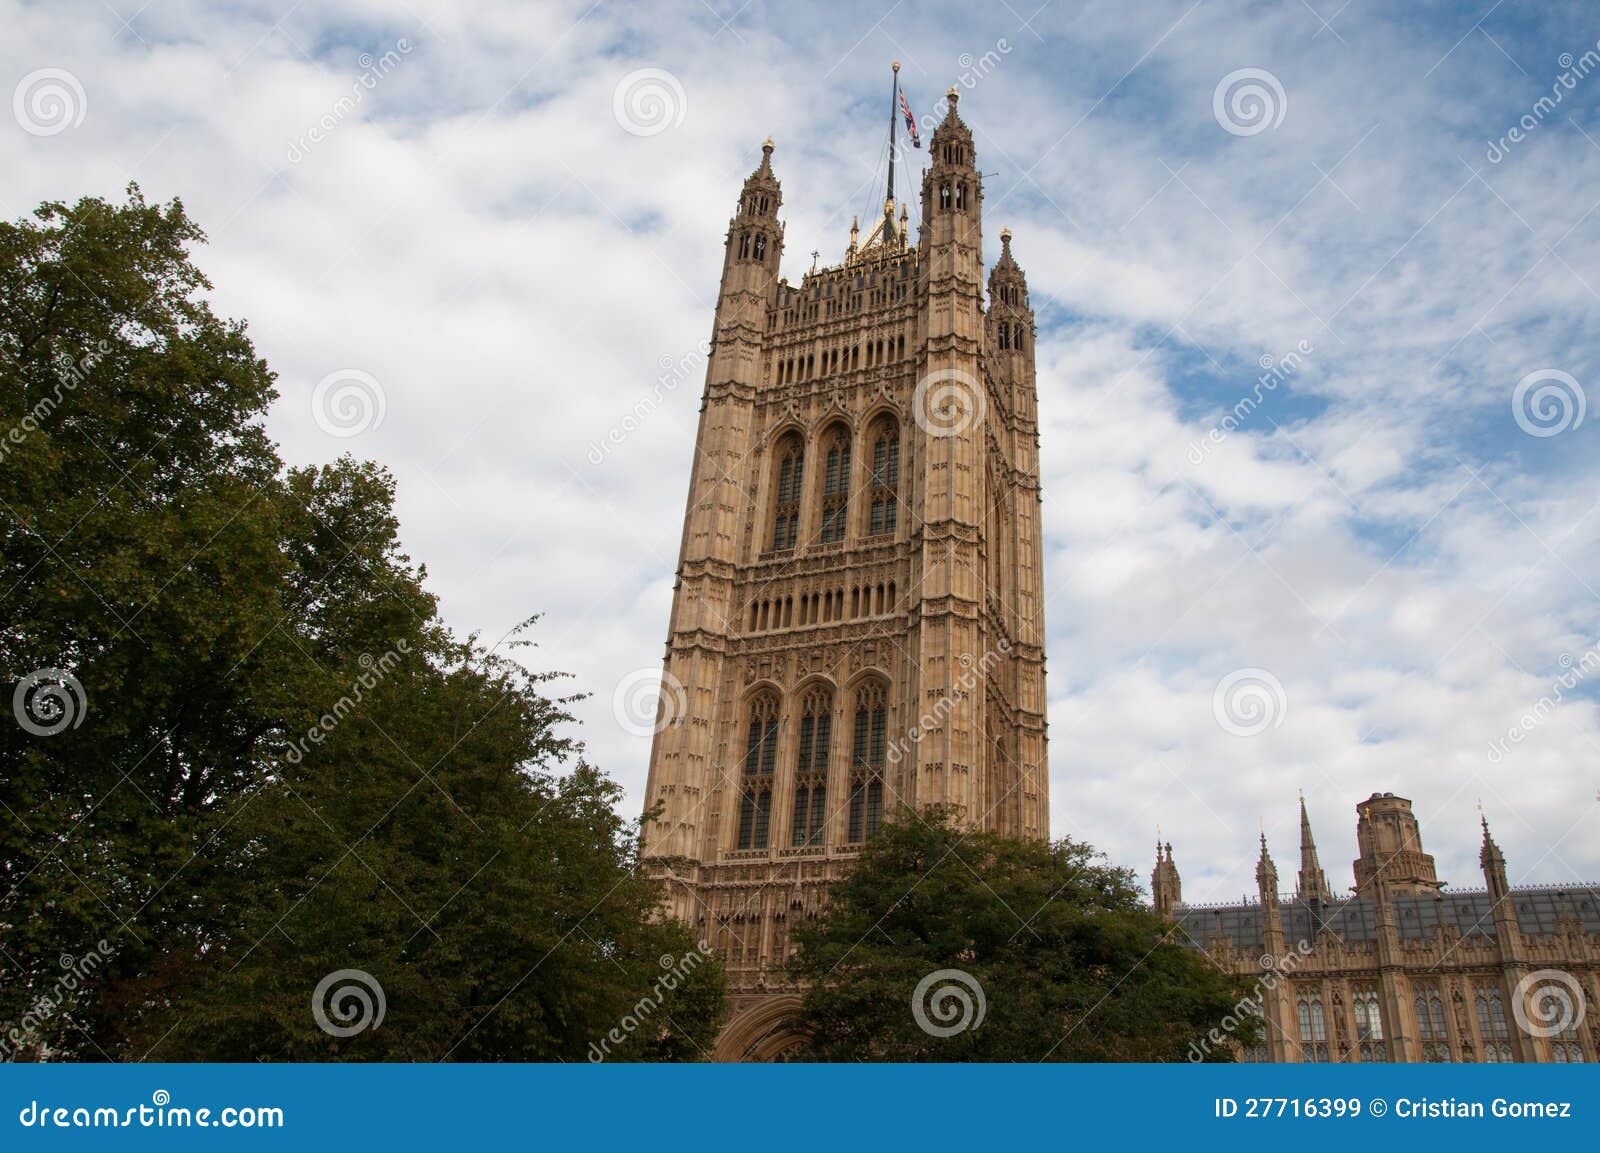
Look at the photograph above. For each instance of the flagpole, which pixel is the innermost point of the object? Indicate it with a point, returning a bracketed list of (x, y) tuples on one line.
[(894, 112)]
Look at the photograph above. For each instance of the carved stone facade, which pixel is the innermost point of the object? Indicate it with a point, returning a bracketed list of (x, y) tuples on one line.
[(857, 624), (1405, 969)]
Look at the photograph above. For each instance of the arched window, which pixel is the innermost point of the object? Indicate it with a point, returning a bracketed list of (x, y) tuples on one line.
[(755, 787), (1493, 1027), (835, 482), (1430, 1026), (868, 754), (1369, 1025), (884, 485), (786, 512), (1565, 1046), (761, 246), (1313, 1027), (811, 768)]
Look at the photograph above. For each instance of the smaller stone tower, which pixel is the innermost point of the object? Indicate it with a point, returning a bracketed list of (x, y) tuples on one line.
[(1391, 845), (1165, 887)]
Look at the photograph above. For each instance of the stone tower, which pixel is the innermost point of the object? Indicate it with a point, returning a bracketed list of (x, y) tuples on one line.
[(1166, 887), (857, 626), (1391, 847)]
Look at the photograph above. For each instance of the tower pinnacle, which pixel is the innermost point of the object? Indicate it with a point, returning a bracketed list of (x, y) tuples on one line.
[(1266, 874), (1166, 889), (1313, 883), (1493, 862)]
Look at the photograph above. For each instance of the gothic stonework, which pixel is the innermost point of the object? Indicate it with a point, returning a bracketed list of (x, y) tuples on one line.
[(1406, 969), (857, 624)]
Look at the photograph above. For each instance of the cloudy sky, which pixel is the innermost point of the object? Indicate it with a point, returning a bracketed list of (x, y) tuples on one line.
[(502, 223)]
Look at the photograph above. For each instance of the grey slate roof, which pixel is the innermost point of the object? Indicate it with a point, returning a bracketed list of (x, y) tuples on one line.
[(1469, 911)]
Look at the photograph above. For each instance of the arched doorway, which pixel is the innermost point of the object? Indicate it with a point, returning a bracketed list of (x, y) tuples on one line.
[(759, 1030)]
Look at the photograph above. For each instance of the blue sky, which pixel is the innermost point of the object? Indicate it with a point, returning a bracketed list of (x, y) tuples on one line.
[(1405, 567)]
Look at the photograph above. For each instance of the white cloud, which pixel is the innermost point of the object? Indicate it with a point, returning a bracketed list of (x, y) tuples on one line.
[(481, 236)]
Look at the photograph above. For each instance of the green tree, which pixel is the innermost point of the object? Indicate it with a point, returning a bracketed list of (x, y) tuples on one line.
[(1042, 952), (265, 758)]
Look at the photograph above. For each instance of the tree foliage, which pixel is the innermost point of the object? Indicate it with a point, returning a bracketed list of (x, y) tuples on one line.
[(1043, 952), (281, 764)]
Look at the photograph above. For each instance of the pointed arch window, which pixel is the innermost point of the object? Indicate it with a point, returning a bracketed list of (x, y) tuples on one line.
[(1493, 1028), (1313, 1027), (811, 768), (835, 483), (1566, 1048), (1369, 1025), (761, 246), (755, 786), (786, 512), (867, 759), (884, 484), (1430, 1025)]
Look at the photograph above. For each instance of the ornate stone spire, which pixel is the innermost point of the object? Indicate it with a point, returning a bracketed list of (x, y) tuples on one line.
[(1494, 864), (1313, 883), (1267, 876), (1166, 889)]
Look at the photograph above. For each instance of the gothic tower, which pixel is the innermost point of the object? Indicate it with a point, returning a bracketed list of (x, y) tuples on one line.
[(857, 625)]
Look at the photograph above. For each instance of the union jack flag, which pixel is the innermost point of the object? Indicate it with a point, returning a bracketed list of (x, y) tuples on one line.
[(911, 122)]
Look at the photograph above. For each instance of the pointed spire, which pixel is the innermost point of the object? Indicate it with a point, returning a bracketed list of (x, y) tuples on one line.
[(952, 129), (1313, 882), (764, 171), (1166, 887), (1266, 871), (1492, 859), (1006, 267)]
